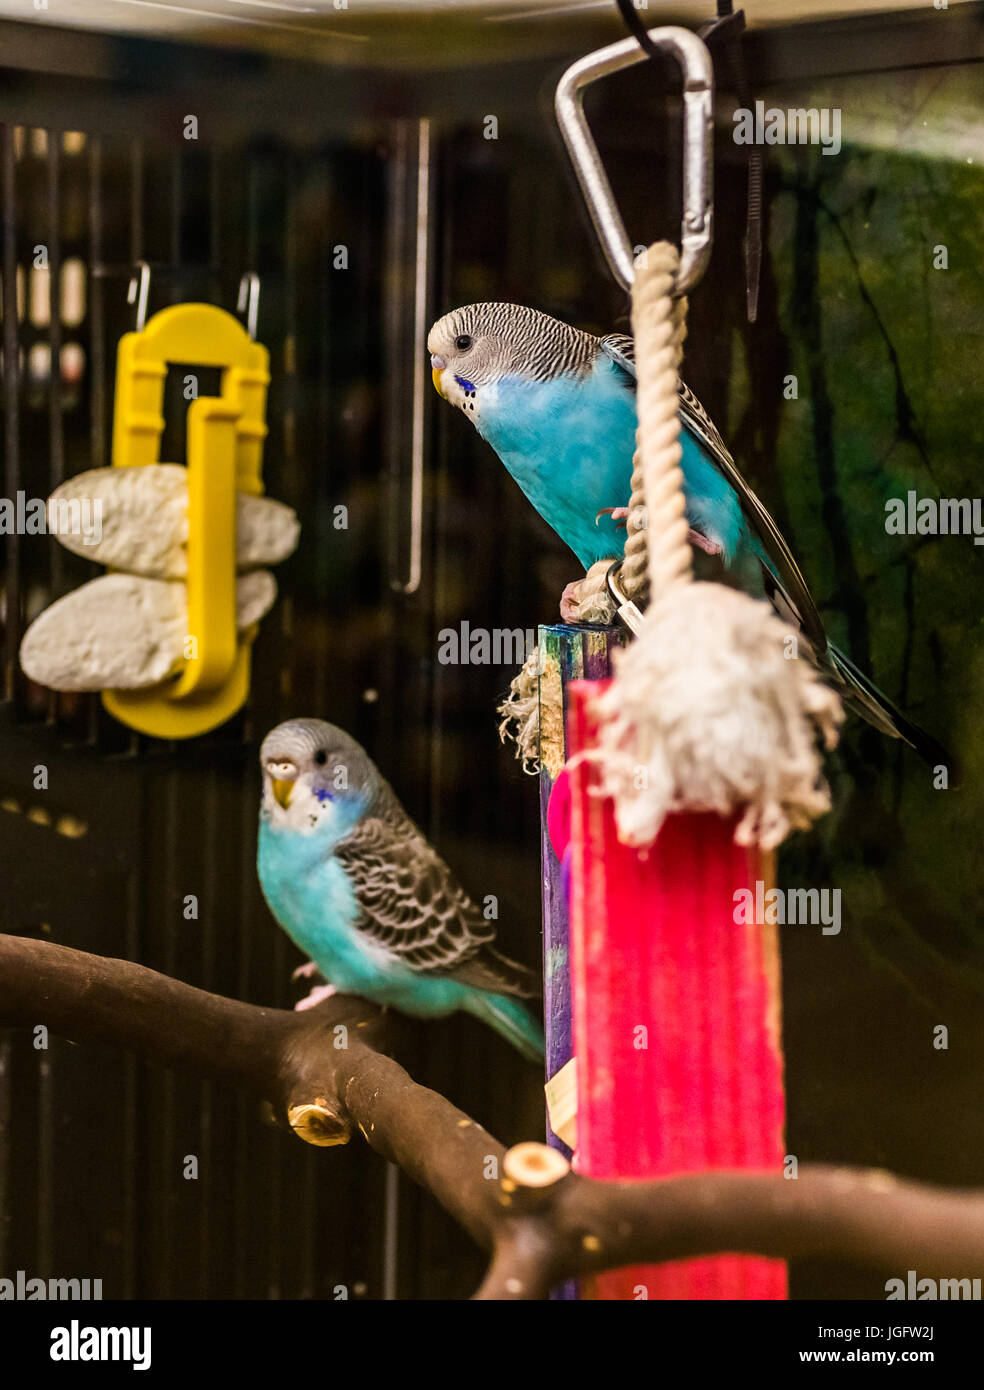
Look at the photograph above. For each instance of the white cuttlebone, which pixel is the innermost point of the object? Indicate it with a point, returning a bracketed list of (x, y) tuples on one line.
[(124, 632), (144, 521)]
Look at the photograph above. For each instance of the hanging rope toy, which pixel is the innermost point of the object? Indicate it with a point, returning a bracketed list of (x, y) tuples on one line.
[(710, 709)]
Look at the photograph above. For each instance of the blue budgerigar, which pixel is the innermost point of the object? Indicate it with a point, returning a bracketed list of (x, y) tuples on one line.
[(558, 407), (356, 886)]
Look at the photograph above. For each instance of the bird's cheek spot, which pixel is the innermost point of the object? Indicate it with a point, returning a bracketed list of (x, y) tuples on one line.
[(467, 385), (323, 794)]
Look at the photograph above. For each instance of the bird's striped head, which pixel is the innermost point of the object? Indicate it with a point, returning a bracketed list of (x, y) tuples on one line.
[(474, 347), (315, 775)]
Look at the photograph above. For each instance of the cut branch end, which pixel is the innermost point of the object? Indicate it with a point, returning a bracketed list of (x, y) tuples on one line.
[(534, 1165), (319, 1124)]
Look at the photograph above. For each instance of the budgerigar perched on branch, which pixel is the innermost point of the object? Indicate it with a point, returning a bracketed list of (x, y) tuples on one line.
[(558, 407), (354, 884)]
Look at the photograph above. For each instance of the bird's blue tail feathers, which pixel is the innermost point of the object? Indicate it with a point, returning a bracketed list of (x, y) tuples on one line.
[(510, 1018)]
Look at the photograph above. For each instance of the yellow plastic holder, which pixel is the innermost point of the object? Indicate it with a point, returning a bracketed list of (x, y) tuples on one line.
[(225, 437)]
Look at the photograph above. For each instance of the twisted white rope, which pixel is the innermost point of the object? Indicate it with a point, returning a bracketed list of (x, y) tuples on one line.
[(657, 547)]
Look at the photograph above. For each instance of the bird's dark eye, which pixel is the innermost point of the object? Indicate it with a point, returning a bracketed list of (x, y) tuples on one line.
[(463, 342), (321, 757)]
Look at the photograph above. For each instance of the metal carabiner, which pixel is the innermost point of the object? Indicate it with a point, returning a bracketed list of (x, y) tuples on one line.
[(625, 608), (694, 59)]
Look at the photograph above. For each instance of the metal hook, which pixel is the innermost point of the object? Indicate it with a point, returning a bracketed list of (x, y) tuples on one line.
[(625, 608), (695, 64), (138, 292), (248, 301), (414, 164)]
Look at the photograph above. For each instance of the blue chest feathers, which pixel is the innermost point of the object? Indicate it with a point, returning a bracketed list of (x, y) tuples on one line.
[(310, 895), (569, 444)]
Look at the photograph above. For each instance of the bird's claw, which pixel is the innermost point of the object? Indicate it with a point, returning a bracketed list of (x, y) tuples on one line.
[(618, 514), (317, 995), (307, 971)]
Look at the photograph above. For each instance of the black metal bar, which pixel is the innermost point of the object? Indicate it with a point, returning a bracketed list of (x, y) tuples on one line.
[(391, 1232), (325, 423), (395, 335), (169, 928), (243, 1205), (131, 1097), (136, 201), (96, 301), (11, 405), (215, 222), (287, 360), (46, 1189), (55, 417), (176, 201), (244, 1168), (273, 1173), (209, 905), (287, 348), (56, 431), (96, 298), (252, 215), (6, 1136)]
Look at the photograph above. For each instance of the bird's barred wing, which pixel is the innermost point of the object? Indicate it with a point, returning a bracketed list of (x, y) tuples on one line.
[(785, 574), (785, 585), (411, 905), (621, 349)]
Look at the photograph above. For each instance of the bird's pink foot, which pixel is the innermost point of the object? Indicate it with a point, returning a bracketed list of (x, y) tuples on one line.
[(569, 601), (702, 543), (317, 995), (307, 971)]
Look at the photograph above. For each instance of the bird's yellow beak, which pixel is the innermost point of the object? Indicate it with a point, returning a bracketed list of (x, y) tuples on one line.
[(282, 791), (436, 379)]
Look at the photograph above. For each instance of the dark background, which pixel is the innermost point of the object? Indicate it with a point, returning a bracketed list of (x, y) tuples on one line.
[(292, 160)]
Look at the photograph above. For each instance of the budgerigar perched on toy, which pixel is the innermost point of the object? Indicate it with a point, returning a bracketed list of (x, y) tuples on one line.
[(356, 886), (558, 407)]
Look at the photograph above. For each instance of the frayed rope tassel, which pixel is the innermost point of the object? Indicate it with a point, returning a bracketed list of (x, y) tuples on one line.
[(713, 711)]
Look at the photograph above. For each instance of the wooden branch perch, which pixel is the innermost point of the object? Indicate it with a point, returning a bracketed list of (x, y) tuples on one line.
[(541, 1222)]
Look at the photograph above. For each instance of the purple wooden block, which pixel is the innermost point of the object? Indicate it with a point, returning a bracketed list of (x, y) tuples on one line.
[(566, 653)]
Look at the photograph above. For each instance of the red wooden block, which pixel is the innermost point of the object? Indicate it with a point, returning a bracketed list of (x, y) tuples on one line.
[(676, 1019)]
